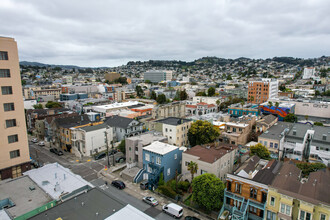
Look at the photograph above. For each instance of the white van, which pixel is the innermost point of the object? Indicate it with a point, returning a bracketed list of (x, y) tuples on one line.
[(173, 210)]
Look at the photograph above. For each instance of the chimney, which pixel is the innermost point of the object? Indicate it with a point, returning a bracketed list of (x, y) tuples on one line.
[(294, 132)]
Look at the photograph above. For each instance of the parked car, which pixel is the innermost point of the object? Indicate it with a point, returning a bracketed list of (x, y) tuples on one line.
[(150, 200), (118, 184), (100, 156), (112, 152), (144, 184), (35, 163), (41, 143), (34, 140), (120, 159), (173, 210), (55, 151), (191, 218)]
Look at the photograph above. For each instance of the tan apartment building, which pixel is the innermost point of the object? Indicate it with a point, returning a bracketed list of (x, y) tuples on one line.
[(36, 92), (111, 76), (216, 158), (14, 149), (173, 109), (262, 90)]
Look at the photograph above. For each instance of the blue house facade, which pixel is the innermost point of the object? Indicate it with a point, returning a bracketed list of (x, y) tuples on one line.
[(158, 158), (238, 110)]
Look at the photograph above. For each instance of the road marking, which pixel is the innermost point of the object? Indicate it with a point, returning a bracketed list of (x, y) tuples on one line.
[(77, 160), (88, 160)]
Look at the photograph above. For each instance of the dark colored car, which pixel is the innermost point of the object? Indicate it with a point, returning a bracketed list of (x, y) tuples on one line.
[(120, 159), (100, 156), (112, 152), (55, 151), (118, 184), (191, 218), (144, 184)]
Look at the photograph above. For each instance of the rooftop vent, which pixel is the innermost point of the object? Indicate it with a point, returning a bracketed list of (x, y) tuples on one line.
[(294, 132), (324, 137)]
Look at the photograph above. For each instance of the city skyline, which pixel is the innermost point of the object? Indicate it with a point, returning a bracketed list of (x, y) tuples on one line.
[(113, 33)]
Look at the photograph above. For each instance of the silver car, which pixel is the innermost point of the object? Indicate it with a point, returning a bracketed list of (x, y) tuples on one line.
[(150, 200)]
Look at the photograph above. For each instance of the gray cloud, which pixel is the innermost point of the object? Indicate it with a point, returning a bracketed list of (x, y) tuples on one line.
[(110, 33)]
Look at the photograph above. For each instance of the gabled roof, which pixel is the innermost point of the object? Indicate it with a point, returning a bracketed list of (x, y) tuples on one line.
[(118, 121), (94, 127)]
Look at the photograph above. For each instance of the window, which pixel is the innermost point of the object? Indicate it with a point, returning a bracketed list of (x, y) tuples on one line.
[(238, 188), (275, 145), (303, 215), (271, 215), (10, 123), (323, 217), (14, 154), (165, 129), (4, 73), (158, 160), (3, 55), (203, 171), (175, 156), (253, 193), (234, 129), (147, 157), (149, 169), (168, 171), (285, 209), (8, 107), (271, 144), (6, 90), (265, 143), (13, 138), (272, 201)]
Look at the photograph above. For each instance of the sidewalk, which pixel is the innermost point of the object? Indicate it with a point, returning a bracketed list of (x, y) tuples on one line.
[(134, 190)]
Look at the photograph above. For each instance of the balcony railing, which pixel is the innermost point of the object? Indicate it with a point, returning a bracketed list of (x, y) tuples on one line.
[(254, 217), (257, 205), (233, 196)]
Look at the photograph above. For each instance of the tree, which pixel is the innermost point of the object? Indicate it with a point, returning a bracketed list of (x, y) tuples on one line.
[(218, 102), (326, 93), (306, 117), (51, 104), (161, 181), (260, 150), (318, 123), (193, 168), (183, 95), (153, 95), (211, 91), (207, 191), (229, 77), (147, 81), (121, 80), (282, 87), (139, 91), (307, 168), (317, 93), (161, 99), (202, 132), (277, 104), (38, 106), (23, 82), (200, 94), (290, 118), (122, 147), (270, 104), (242, 103)]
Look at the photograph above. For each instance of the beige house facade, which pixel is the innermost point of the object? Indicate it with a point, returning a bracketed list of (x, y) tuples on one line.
[(14, 149)]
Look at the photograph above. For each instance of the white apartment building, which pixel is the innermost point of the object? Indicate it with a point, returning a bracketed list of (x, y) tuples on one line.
[(309, 72), (90, 140)]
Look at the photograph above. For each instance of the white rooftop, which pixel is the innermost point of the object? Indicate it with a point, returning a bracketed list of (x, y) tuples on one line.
[(4, 215), (129, 212), (56, 180), (160, 148), (242, 125), (115, 105)]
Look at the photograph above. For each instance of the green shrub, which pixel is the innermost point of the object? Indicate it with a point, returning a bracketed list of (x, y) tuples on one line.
[(184, 185), (167, 191)]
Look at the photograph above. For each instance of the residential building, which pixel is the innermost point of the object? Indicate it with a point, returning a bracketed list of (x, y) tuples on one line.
[(14, 148), (124, 127), (156, 76), (90, 140), (307, 143), (262, 90), (292, 196), (175, 129), (158, 158), (112, 76), (68, 97), (239, 110), (61, 130), (274, 136), (173, 109), (245, 196), (309, 72), (134, 147), (200, 108), (237, 131), (265, 123), (206, 99), (37, 92), (217, 158)]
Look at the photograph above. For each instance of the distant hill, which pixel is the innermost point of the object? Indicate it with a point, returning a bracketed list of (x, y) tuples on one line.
[(27, 63)]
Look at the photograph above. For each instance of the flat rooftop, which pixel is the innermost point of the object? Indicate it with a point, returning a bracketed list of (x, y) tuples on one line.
[(173, 121), (52, 176), (116, 105), (147, 138), (160, 148), (25, 200), (95, 204)]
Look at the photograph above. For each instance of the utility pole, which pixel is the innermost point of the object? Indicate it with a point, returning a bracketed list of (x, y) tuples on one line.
[(106, 142), (113, 156)]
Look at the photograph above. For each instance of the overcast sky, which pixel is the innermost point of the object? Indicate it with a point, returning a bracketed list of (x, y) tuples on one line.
[(111, 33)]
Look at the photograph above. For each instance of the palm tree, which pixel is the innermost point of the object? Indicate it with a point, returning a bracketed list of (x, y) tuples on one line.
[(218, 102), (192, 167), (277, 104), (270, 104)]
